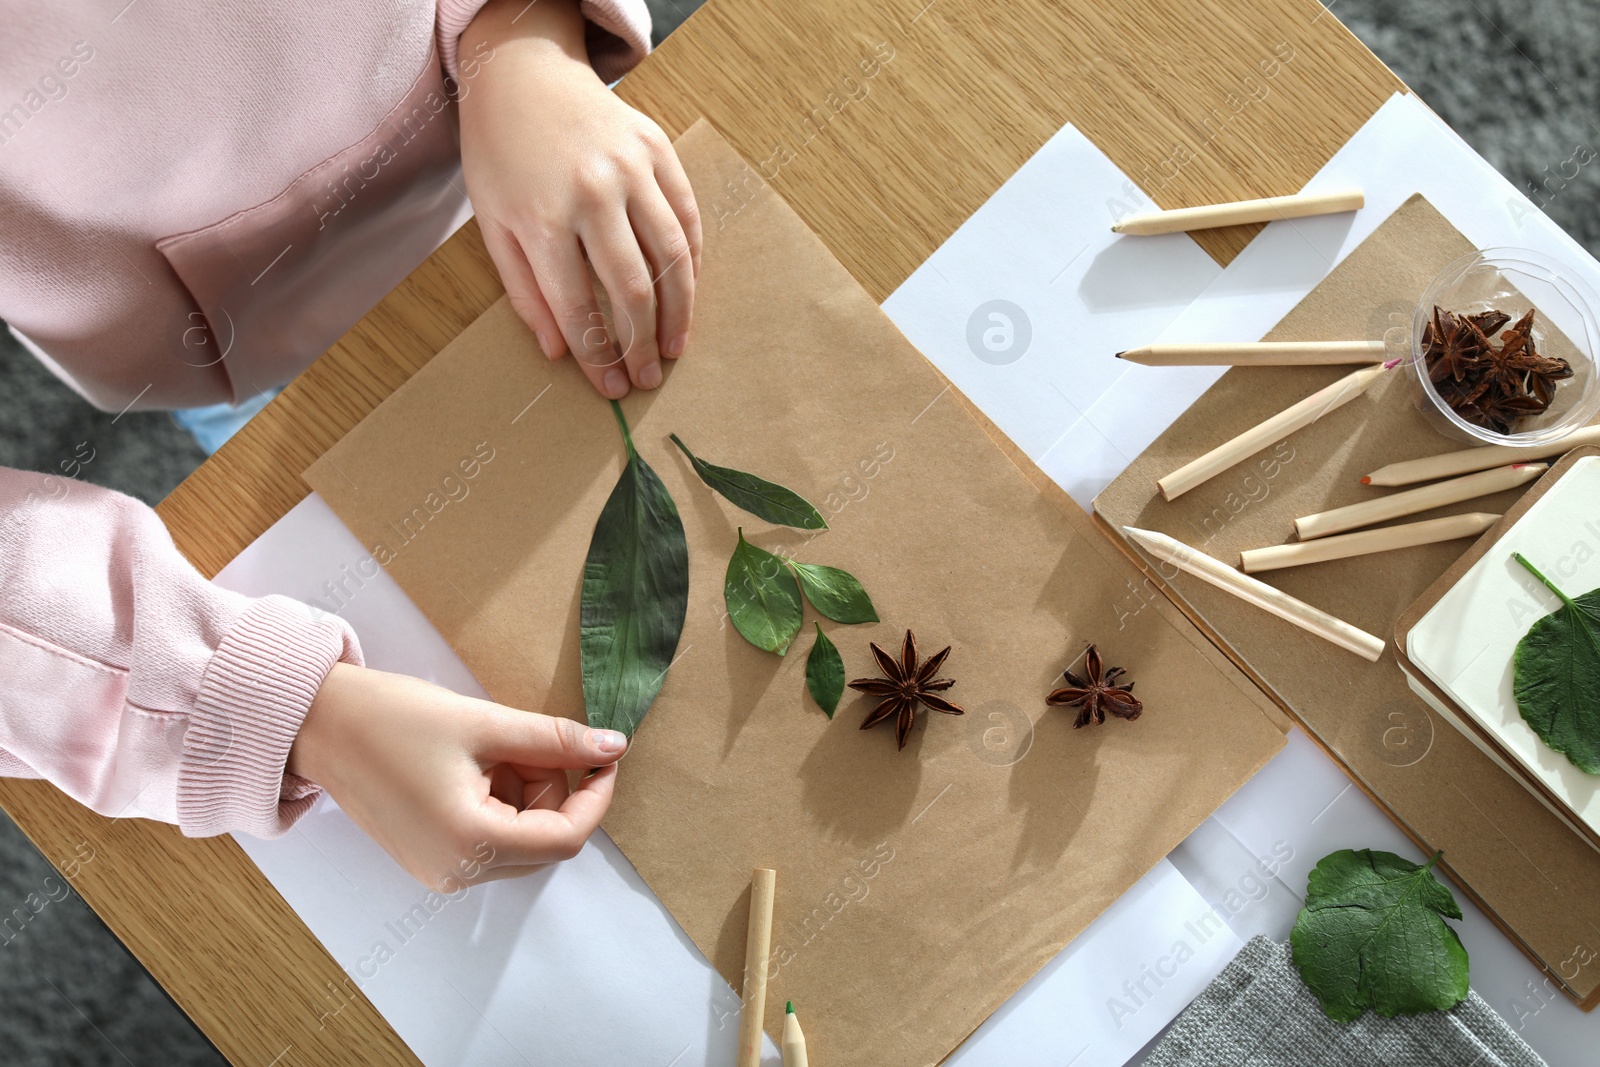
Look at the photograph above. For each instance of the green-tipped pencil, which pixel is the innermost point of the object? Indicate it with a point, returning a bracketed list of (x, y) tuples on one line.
[(794, 1042)]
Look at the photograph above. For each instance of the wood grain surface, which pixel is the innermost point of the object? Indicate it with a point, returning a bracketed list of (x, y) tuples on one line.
[(1198, 100)]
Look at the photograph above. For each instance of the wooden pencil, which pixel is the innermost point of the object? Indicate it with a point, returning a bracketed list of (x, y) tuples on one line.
[(794, 1041), (1254, 591), (1366, 542), (1411, 501), (1238, 213), (1482, 458), (1257, 354), (1273, 430), (757, 955)]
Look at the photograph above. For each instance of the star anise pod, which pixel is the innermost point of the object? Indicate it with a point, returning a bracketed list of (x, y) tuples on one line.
[(905, 684), (1452, 345), (1542, 371), (1500, 411), (1505, 371), (1542, 381), (1504, 368), (1096, 693), (1489, 321), (1516, 339)]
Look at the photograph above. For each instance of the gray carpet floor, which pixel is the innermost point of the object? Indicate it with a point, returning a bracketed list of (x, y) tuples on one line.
[(1520, 79)]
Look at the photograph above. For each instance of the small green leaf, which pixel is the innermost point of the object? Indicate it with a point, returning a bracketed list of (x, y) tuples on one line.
[(1556, 676), (1372, 935), (762, 596), (635, 596), (825, 673), (761, 498), (835, 593)]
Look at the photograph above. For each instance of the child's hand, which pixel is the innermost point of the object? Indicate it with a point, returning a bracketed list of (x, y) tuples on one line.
[(457, 790), (560, 170)]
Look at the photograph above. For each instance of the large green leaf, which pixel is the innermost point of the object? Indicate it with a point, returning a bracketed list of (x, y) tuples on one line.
[(762, 596), (761, 498), (1557, 676), (835, 593), (635, 596), (1372, 935), (825, 673)]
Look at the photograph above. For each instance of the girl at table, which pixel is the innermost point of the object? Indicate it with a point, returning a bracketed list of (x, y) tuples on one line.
[(196, 200)]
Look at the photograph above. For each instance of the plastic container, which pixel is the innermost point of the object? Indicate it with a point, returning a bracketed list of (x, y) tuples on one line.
[(1513, 280)]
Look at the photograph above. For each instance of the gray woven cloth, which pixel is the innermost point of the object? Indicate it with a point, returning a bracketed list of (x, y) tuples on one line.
[(1258, 1013)]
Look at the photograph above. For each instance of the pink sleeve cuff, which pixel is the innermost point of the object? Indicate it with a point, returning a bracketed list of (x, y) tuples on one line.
[(618, 34), (254, 694)]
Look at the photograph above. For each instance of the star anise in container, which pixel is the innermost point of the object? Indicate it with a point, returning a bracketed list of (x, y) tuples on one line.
[(1542, 381), (1488, 321), (906, 683), (1490, 385), (1503, 371), (1451, 346), (1499, 412), (1542, 372), (1096, 693)]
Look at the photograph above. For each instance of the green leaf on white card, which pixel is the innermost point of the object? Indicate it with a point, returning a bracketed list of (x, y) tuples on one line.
[(1556, 676)]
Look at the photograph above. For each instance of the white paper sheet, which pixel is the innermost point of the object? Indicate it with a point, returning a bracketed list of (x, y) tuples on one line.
[(1023, 306), (1116, 986), (1077, 293)]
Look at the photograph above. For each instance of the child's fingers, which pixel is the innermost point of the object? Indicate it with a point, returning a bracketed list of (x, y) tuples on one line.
[(661, 237), (529, 739), (614, 250), (505, 785), (523, 289), (675, 187), (520, 787), (538, 835), (565, 282), (547, 789)]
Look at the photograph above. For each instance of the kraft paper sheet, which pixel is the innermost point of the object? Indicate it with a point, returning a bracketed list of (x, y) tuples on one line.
[(918, 889), (1525, 867)]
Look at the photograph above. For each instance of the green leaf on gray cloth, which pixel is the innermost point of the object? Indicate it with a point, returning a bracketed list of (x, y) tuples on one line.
[(762, 596), (835, 593), (635, 596), (761, 498), (1556, 677), (825, 673), (1372, 935)]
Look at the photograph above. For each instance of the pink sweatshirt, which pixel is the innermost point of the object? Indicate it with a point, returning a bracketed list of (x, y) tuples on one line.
[(196, 200)]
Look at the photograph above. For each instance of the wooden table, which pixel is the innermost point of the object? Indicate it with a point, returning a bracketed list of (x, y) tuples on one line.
[(1197, 100)]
